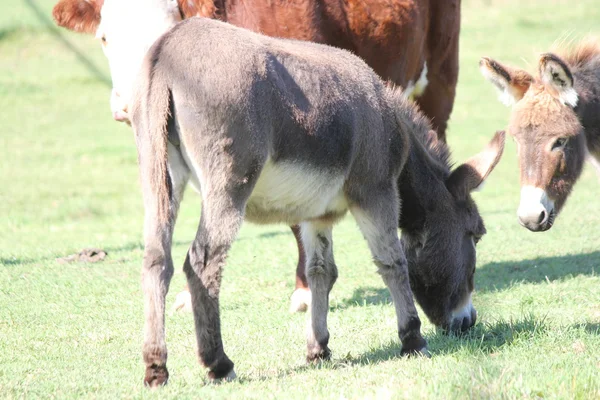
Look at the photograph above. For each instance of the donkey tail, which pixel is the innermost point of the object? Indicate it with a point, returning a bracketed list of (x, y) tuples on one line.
[(150, 112)]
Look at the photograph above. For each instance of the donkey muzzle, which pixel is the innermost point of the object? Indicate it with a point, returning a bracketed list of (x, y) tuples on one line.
[(536, 210)]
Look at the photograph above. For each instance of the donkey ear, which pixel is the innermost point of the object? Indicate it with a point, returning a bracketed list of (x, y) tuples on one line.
[(511, 83), (556, 74), (78, 15), (471, 175)]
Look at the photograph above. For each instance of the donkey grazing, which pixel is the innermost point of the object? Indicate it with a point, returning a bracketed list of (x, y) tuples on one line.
[(556, 124), (270, 130), (412, 44)]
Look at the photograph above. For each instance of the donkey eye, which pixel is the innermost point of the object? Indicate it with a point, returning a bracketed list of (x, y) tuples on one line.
[(560, 143), (103, 39), (476, 238)]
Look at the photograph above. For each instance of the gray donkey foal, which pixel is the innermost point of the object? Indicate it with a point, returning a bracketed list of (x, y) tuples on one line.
[(272, 131)]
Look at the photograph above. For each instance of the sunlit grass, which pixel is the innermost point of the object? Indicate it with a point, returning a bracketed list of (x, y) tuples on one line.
[(68, 180)]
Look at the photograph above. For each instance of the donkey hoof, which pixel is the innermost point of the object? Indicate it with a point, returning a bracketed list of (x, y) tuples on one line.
[(422, 352), (314, 357), (156, 375), (183, 301), (415, 346), (227, 378), (300, 300), (222, 371)]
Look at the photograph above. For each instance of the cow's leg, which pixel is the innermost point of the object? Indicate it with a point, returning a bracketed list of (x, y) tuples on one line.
[(157, 271), (301, 296), (321, 273), (222, 216), (437, 100), (376, 215)]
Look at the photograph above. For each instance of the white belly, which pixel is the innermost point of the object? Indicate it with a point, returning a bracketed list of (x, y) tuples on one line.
[(291, 193)]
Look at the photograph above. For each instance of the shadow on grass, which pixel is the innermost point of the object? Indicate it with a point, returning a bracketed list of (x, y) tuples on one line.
[(483, 339), (593, 328), (9, 32), (363, 296), (499, 276), (15, 261)]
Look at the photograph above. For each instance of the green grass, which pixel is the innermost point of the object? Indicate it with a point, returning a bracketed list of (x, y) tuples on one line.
[(68, 180)]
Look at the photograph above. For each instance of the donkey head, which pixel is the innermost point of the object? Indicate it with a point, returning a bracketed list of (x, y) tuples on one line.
[(548, 134), (440, 234), (127, 29)]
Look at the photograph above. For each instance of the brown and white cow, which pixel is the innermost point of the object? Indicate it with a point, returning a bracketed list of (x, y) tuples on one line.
[(413, 44), (556, 124)]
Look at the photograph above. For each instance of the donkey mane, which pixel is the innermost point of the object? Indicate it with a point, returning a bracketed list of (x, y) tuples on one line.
[(420, 127), (581, 53)]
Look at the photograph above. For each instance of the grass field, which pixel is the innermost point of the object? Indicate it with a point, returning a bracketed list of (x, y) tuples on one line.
[(68, 180)]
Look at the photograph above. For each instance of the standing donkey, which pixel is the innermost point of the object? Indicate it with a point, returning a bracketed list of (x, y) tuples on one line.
[(555, 122), (413, 44), (272, 131)]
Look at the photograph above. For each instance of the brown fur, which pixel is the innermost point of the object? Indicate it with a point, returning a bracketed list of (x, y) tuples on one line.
[(78, 15), (580, 53), (395, 37), (543, 118)]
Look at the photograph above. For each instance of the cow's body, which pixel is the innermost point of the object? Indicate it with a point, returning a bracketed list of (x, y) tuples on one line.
[(413, 44)]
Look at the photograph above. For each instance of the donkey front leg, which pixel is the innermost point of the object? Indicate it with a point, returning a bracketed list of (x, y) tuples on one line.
[(377, 220), (157, 270), (219, 224), (321, 273)]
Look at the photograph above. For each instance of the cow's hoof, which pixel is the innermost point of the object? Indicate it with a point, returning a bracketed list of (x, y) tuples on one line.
[(156, 375), (300, 300), (183, 301)]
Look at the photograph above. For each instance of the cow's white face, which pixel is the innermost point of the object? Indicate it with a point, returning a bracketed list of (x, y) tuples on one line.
[(127, 29)]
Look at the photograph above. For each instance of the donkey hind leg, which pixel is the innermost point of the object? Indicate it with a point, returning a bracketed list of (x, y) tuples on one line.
[(157, 271), (221, 219), (377, 221), (301, 297), (321, 273)]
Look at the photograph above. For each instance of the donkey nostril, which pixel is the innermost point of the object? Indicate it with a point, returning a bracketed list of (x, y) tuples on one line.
[(542, 217)]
